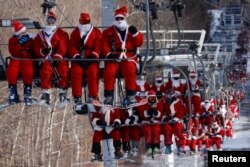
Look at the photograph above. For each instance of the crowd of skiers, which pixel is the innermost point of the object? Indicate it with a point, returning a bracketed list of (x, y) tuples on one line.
[(85, 45), (167, 112)]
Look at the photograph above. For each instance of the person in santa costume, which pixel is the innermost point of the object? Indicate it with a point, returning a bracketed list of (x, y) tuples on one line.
[(194, 84), (106, 122), (20, 46), (120, 41), (175, 84), (85, 44), (207, 112), (51, 43), (174, 111), (216, 134), (150, 116), (157, 86), (142, 88)]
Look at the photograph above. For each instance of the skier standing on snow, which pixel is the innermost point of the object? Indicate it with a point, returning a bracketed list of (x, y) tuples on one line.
[(20, 46), (52, 43), (120, 41), (85, 44)]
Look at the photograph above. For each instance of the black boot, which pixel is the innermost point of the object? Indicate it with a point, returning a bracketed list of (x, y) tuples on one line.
[(117, 146), (45, 97), (131, 96), (126, 148), (109, 97), (96, 149), (63, 96), (28, 100), (13, 95)]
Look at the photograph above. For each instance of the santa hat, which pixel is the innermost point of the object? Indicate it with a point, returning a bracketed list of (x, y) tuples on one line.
[(51, 17), (84, 18), (175, 73), (151, 93), (121, 12), (192, 74), (18, 27)]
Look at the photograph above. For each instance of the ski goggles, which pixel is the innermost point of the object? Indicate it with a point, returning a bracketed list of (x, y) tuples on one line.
[(119, 18), (51, 21)]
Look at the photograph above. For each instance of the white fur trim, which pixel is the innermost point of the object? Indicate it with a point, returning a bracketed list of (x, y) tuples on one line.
[(117, 120), (120, 15), (146, 114), (75, 55), (175, 75), (127, 121), (20, 31), (46, 91), (58, 55), (135, 34), (42, 53), (95, 54), (95, 120)]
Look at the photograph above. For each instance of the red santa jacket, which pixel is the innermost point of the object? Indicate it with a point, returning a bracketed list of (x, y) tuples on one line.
[(20, 50), (195, 88), (207, 108), (91, 44), (124, 49), (143, 114), (57, 41), (106, 115), (175, 110), (169, 85)]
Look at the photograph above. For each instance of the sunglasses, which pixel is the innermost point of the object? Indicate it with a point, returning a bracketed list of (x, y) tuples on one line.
[(175, 78), (119, 18), (159, 81)]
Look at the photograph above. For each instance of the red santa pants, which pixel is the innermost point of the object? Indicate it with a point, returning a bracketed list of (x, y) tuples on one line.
[(24, 67), (152, 133), (92, 74), (201, 141), (206, 120), (229, 132), (46, 73), (216, 141), (169, 130), (126, 68), (99, 135)]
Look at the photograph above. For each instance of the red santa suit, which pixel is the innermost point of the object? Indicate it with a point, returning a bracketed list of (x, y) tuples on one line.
[(194, 85), (120, 41), (20, 49), (229, 128), (216, 136), (157, 86), (243, 77), (206, 117), (174, 112), (175, 84), (142, 88), (150, 115), (203, 138), (54, 39), (103, 121), (85, 42)]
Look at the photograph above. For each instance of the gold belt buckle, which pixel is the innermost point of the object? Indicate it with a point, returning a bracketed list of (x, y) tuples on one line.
[(124, 50)]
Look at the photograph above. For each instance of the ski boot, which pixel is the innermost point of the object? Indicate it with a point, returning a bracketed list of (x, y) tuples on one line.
[(63, 96), (28, 100), (118, 154), (108, 100), (91, 99), (13, 95), (168, 149), (134, 151), (45, 97), (79, 107), (96, 157)]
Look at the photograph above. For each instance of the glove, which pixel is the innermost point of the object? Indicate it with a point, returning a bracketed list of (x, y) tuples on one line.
[(133, 30), (116, 125), (155, 112), (100, 123), (132, 120), (150, 111), (207, 113), (24, 39), (111, 56), (46, 51)]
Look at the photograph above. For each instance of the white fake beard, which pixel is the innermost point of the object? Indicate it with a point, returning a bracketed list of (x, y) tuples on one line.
[(158, 84), (122, 24), (49, 29), (176, 83), (207, 106), (223, 110), (84, 29), (193, 81), (140, 82)]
